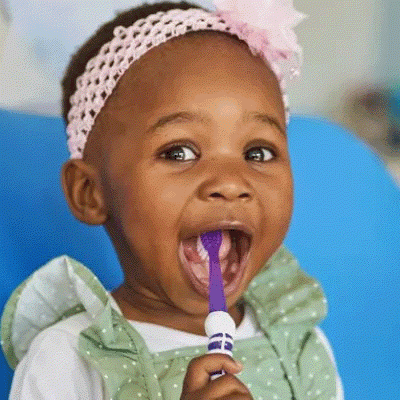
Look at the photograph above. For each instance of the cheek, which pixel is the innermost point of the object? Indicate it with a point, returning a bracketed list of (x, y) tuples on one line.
[(287, 189), (288, 192), (148, 199), (281, 199), (164, 196)]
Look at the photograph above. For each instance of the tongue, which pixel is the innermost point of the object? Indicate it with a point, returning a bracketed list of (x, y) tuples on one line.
[(190, 248)]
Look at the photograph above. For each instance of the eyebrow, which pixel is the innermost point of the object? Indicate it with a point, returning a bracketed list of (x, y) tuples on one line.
[(189, 116)]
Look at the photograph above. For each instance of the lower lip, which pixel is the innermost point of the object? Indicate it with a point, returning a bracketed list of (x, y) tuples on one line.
[(201, 288)]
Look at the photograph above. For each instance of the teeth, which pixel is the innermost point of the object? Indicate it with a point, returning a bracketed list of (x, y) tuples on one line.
[(201, 250), (202, 272), (235, 267), (205, 282)]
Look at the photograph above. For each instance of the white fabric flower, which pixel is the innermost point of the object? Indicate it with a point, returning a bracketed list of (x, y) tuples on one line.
[(277, 17)]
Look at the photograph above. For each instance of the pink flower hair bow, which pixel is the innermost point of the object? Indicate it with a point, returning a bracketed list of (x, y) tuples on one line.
[(267, 25)]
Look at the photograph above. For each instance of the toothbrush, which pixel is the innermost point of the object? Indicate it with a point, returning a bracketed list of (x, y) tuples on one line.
[(219, 325)]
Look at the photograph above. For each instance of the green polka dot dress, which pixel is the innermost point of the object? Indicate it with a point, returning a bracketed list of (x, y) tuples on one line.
[(289, 357)]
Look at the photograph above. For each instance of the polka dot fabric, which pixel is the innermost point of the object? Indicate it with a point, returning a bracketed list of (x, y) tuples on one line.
[(287, 361)]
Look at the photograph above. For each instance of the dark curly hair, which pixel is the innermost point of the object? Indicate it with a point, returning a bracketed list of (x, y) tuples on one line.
[(103, 35)]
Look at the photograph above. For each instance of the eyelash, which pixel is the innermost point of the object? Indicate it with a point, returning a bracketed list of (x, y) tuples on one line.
[(181, 145)]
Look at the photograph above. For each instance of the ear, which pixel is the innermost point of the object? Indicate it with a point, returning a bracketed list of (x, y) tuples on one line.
[(82, 189)]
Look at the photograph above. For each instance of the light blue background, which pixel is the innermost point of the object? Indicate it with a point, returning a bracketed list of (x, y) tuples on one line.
[(344, 232)]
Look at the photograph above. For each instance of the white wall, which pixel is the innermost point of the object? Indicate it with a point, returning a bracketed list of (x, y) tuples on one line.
[(390, 43), (4, 23), (342, 41)]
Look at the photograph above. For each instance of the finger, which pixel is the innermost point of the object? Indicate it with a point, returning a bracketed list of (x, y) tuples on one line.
[(200, 368), (236, 397), (225, 385)]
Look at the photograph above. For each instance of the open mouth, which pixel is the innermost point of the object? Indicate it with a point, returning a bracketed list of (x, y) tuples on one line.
[(234, 253)]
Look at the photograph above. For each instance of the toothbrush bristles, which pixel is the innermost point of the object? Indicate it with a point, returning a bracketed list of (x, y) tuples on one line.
[(202, 251)]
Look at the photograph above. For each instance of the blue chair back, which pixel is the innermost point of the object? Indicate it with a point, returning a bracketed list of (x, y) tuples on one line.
[(344, 232)]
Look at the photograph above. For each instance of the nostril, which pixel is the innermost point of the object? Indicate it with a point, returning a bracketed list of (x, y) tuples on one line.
[(243, 195)]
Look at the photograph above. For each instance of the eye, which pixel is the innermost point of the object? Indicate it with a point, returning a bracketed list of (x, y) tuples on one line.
[(180, 152), (176, 153), (261, 154)]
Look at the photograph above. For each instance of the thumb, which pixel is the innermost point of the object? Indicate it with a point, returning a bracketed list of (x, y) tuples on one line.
[(199, 369)]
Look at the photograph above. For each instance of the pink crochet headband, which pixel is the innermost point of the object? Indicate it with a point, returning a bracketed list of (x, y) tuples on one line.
[(265, 25)]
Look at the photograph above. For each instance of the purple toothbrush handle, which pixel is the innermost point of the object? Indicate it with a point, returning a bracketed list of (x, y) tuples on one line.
[(220, 343), (219, 325), (220, 329), (217, 300)]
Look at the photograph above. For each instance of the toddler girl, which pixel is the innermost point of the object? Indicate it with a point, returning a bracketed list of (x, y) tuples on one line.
[(176, 119)]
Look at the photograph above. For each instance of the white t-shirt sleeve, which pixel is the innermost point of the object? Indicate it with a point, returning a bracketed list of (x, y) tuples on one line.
[(325, 342), (52, 369)]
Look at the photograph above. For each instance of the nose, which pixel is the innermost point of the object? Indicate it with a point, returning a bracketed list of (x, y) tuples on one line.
[(230, 188), (229, 193), (225, 178)]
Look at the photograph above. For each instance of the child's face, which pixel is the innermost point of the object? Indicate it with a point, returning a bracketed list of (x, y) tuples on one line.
[(155, 196)]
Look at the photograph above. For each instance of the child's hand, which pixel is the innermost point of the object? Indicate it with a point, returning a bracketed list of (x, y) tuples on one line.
[(198, 386)]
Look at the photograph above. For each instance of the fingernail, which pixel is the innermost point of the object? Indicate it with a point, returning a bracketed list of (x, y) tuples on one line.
[(239, 364)]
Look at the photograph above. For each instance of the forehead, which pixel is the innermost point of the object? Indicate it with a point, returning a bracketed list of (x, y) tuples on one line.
[(189, 69)]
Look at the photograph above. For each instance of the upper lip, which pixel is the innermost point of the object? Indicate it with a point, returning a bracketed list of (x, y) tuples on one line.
[(216, 225)]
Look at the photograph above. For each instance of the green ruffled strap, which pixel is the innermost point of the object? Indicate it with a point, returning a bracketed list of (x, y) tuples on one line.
[(57, 290), (118, 352)]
